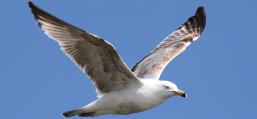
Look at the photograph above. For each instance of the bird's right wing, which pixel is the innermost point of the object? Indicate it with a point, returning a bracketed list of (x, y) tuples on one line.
[(153, 64), (92, 54)]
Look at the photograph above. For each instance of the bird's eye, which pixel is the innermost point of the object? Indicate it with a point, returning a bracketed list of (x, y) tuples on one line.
[(167, 87)]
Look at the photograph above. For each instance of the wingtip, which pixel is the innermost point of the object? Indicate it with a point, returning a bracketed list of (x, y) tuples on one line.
[(31, 4), (200, 11), (33, 8), (200, 8)]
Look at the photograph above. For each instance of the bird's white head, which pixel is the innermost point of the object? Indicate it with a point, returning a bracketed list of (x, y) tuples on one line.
[(169, 89)]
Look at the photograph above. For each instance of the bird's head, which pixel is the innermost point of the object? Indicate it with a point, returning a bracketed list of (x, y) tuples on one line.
[(169, 89)]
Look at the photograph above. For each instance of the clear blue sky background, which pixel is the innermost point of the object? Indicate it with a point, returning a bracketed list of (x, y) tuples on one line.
[(218, 72)]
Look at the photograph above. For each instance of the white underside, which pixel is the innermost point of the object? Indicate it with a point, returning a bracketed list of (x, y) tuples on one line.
[(127, 101)]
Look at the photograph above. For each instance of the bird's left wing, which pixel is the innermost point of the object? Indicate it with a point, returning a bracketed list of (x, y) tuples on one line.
[(92, 54), (153, 64)]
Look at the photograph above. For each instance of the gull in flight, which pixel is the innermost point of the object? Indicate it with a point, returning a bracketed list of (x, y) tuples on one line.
[(120, 90)]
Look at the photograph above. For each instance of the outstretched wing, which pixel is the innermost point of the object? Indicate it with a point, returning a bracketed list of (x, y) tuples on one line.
[(153, 64), (92, 54)]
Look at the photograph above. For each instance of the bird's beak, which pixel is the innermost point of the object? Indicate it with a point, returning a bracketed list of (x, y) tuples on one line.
[(181, 93)]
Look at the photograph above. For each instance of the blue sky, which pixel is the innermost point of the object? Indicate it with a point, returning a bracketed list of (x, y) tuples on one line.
[(218, 72)]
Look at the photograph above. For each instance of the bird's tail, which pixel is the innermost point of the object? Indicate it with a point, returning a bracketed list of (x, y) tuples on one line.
[(72, 113), (82, 112)]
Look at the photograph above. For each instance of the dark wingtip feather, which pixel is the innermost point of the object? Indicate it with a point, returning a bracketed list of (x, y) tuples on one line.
[(200, 9), (200, 13), (35, 11), (31, 5), (196, 23), (42, 15)]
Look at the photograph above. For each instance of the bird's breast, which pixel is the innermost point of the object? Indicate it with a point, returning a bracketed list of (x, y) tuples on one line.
[(137, 100)]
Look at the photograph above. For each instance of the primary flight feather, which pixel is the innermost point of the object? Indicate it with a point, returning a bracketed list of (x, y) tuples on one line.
[(120, 90)]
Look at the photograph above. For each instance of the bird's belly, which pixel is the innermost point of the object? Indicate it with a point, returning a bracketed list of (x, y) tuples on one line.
[(137, 103)]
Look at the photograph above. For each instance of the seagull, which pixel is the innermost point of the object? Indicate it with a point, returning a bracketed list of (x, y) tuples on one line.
[(120, 90)]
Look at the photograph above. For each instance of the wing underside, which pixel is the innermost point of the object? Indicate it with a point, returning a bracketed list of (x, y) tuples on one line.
[(152, 65), (96, 57)]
